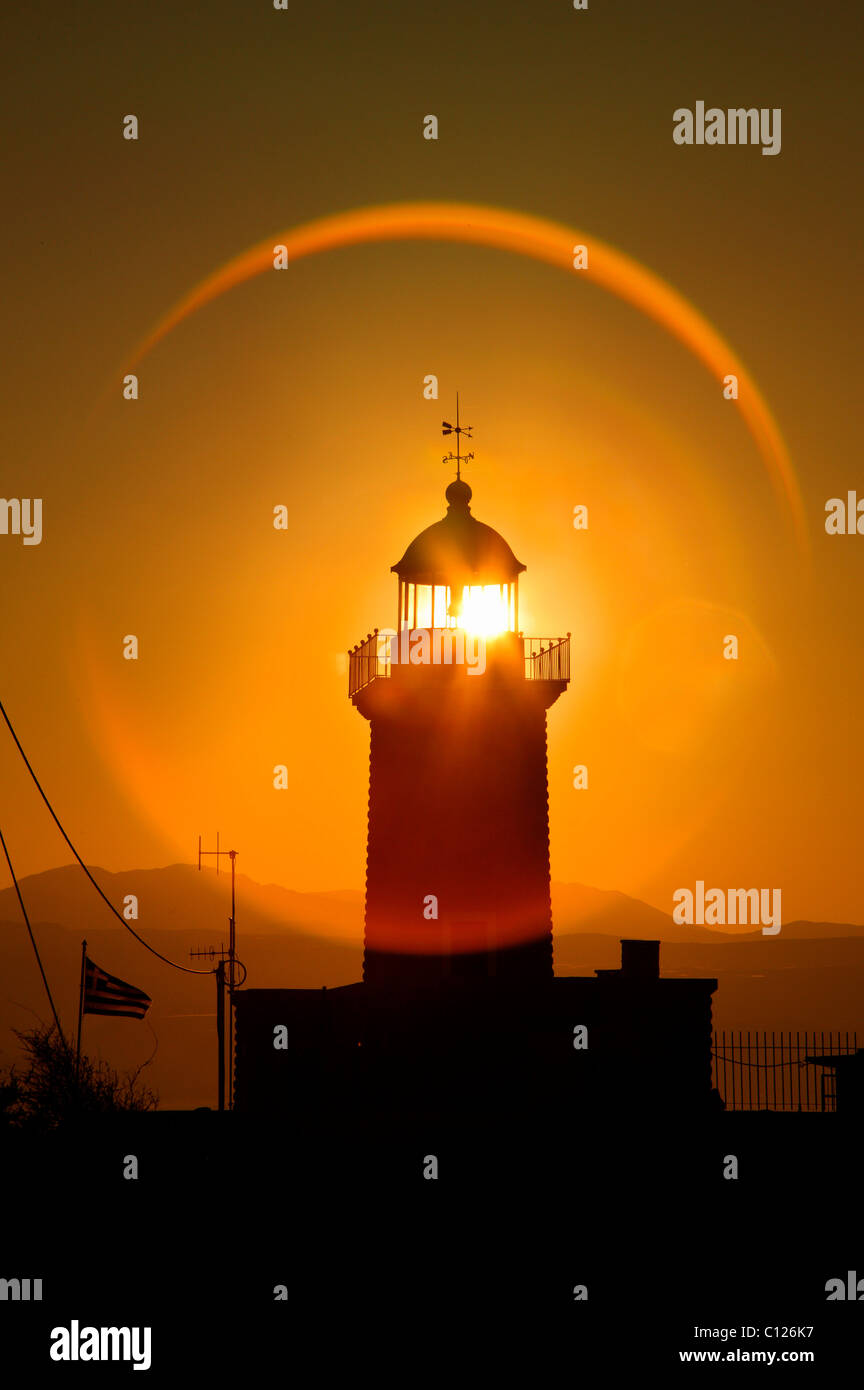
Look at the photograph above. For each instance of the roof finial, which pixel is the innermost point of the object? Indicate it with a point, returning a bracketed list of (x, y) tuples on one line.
[(458, 430)]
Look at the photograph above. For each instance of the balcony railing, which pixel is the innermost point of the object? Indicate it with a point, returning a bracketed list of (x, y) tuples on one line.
[(545, 659), (369, 661)]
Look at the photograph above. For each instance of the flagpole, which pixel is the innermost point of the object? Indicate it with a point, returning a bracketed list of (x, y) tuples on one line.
[(81, 1006)]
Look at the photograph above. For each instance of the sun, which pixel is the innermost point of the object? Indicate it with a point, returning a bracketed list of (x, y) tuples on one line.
[(485, 610)]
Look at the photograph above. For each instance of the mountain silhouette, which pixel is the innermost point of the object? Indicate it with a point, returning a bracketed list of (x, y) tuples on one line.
[(810, 976), (180, 898)]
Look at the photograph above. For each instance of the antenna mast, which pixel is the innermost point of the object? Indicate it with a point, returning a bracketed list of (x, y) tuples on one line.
[(224, 979)]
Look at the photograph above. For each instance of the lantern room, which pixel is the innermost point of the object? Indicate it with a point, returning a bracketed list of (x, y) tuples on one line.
[(459, 573)]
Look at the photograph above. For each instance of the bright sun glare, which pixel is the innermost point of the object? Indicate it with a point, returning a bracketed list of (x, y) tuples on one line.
[(484, 610)]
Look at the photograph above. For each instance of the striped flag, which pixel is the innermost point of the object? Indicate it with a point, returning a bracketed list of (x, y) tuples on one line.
[(105, 994)]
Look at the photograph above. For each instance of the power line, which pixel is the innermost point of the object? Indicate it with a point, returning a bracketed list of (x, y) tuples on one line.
[(33, 939), (120, 918)]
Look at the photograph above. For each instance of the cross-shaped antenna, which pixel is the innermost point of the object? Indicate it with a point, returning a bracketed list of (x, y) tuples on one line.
[(458, 430), (229, 979)]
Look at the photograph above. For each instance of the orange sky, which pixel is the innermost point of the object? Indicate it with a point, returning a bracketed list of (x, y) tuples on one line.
[(306, 388)]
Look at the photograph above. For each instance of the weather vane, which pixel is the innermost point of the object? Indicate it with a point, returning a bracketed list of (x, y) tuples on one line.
[(458, 430)]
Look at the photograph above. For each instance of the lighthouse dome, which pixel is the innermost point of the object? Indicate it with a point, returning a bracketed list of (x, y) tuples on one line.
[(458, 548)]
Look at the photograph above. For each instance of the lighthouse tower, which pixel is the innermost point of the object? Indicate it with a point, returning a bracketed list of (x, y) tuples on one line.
[(459, 1013), (457, 880)]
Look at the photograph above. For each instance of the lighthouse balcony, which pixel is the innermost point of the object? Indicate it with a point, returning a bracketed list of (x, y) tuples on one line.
[(375, 657)]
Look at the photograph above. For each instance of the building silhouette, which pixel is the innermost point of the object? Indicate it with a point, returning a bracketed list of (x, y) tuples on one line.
[(459, 1004)]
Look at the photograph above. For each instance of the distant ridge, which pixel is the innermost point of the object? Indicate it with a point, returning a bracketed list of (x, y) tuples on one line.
[(810, 976), (178, 897)]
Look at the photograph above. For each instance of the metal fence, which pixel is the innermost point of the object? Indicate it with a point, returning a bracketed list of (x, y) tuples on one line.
[(369, 660), (770, 1071), (547, 658)]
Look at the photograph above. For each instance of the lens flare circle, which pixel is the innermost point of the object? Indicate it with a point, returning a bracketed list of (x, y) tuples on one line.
[(540, 240)]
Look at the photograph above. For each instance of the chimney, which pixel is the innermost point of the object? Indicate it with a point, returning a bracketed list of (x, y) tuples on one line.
[(640, 960)]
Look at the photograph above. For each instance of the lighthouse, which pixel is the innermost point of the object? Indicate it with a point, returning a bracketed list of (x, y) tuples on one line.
[(457, 871), (459, 1009)]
